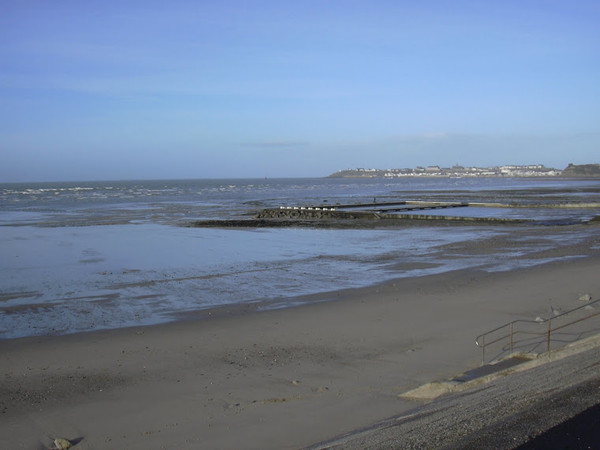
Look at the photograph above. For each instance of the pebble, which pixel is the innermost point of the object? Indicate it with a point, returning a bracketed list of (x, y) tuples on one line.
[(62, 444)]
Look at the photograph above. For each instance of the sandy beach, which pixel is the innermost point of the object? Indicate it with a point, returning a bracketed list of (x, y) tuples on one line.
[(280, 378)]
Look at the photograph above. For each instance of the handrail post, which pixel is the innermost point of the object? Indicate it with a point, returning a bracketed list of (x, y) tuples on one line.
[(549, 331), (483, 350)]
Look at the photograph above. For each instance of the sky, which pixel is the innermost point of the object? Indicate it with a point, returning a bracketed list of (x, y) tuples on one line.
[(117, 89)]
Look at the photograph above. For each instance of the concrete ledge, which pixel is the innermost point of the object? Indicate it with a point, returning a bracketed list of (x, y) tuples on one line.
[(433, 390)]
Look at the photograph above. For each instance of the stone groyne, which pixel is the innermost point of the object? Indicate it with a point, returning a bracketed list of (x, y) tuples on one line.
[(333, 218), (372, 215), (334, 214)]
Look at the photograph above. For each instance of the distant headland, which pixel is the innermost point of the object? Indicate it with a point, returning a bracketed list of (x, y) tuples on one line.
[(535, 170)]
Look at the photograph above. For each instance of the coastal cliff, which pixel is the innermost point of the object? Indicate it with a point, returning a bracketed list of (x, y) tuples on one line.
[(583, 170)]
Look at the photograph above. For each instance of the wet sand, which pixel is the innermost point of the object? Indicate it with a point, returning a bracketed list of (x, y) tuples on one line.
[(280, 378)]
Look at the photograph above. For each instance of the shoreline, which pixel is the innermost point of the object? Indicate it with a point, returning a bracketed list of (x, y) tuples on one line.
[(275, 378)]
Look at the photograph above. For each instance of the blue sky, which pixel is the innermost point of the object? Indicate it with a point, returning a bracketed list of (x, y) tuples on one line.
[(205, 89)]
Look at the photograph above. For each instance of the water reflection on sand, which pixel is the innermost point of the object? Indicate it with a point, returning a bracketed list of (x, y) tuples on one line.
[(69, 279)]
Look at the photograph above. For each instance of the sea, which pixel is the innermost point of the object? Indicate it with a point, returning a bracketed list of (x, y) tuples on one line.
[(84, 256)]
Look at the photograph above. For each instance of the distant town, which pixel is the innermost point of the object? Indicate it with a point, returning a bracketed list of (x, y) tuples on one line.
[(535, 170)]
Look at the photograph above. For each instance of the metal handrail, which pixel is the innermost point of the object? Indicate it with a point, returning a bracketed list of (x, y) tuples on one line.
[(480, 340)]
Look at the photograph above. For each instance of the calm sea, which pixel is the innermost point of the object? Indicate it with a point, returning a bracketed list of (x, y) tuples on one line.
[(92, 255)]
